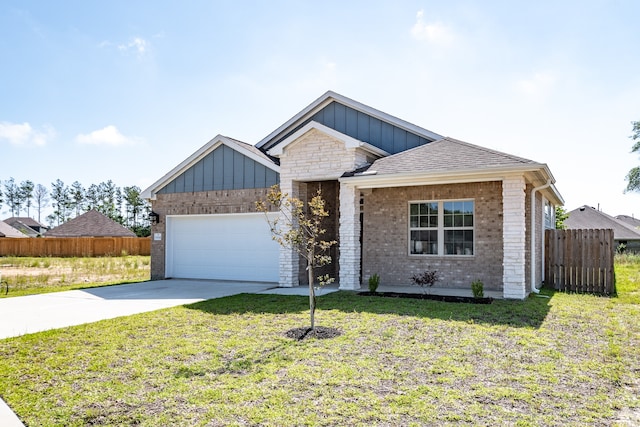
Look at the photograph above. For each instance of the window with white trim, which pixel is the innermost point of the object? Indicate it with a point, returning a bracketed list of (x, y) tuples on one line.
[(549, 215), (444, 227)]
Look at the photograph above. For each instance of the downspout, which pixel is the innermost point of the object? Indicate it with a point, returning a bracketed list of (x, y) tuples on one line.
[(534, 289)]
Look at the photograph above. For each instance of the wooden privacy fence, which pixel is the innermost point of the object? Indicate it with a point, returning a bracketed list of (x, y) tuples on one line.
[(580, 260), (75, 246)]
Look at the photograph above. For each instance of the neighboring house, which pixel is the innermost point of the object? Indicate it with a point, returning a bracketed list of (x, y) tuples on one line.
[(8, 231), (629, 220), (90, 224), (27, 226), (587, 217), (402, 199)]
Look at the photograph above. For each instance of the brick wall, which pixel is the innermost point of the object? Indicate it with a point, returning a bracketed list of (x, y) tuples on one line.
[(197, 203), (386, 236)]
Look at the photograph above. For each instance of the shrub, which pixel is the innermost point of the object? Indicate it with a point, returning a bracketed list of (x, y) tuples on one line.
[(374, 281), (477, 288), (426, 278)]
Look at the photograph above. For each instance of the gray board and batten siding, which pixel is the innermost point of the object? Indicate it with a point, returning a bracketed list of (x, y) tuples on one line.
[(223, 169), (362, 127)]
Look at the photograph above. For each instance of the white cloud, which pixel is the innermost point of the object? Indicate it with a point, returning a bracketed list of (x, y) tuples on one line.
[(109, 135), (137, 44), (24, 134), (434, 32)]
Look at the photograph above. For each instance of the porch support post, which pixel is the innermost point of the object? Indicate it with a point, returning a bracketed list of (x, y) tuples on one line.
[(349, 237), (514, 238), (289, 258)]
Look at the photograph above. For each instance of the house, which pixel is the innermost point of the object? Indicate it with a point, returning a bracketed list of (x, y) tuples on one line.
[(8, 231), (28, 226), (401, 199), (90, 224), (629, 220), (624, 233)]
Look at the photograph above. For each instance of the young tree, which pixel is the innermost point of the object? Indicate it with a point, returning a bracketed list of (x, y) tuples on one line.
[(41, 198), (633, 177), (26, 195), (299, 227)]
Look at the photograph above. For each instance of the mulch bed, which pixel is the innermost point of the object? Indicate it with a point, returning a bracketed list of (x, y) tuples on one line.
[(319, 332), (444, 298)]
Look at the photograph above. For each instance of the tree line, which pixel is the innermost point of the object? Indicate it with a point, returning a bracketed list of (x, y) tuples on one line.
[(123, 205)]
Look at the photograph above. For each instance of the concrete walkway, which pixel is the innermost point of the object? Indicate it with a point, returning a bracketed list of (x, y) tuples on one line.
[(37, 313)]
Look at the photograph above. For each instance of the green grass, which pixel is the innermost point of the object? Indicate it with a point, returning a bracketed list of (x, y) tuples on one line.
[(29, 275), (555, 360)]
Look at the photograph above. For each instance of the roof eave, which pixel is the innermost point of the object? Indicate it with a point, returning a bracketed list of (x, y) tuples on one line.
[(371, 180)]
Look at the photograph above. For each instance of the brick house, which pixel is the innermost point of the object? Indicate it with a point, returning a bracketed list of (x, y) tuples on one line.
[(402, 199)]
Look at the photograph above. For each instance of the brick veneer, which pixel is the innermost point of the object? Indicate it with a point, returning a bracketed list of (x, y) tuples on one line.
[(196, 203), (385, 236)]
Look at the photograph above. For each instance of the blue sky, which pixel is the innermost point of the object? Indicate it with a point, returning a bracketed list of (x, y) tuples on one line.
[(123, 90)]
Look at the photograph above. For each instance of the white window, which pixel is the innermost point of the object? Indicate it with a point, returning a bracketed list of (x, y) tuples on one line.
[(549, 215), (441, 228)]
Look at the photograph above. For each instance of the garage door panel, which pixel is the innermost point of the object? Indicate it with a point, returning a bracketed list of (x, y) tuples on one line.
[(229, 247)]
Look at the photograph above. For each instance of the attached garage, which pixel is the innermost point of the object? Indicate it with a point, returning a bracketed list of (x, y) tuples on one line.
[(223, 247)]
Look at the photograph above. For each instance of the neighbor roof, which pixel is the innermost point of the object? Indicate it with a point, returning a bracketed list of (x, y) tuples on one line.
[(90, 224), (629, 220), (587, 217), (29, 222), (8, 231)]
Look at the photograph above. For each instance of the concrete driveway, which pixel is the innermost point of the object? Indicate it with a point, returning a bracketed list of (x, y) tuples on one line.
[(35, 313)]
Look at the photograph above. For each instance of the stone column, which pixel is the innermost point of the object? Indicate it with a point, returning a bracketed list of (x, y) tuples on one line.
[(514, 238), (349, 237), (289, 258)]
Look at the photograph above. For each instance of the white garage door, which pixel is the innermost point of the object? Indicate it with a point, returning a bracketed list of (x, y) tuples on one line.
[(227, 247)]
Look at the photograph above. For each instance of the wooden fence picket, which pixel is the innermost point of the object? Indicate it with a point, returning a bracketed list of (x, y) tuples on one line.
[(580, 260)]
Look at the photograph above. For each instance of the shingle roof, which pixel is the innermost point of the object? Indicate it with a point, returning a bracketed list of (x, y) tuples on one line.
[(8, 231), (591, 218), (629, 220), (254, 150), (446, 154), (90, 224), (29, 222)]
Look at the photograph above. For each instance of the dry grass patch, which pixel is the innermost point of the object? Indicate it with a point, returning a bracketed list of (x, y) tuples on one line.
[(31, 275)]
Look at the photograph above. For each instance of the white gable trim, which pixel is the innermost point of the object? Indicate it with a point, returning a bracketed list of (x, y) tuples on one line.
[(348, 141), (150, 192), (331, 96)]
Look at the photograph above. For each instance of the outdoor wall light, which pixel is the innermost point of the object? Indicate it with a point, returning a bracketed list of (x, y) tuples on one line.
[(154, 218)]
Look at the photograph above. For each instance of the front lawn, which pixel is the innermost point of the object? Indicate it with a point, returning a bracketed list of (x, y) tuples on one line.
[(554, 360)]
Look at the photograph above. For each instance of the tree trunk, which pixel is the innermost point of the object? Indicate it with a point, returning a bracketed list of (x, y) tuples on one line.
[(312, 296)]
